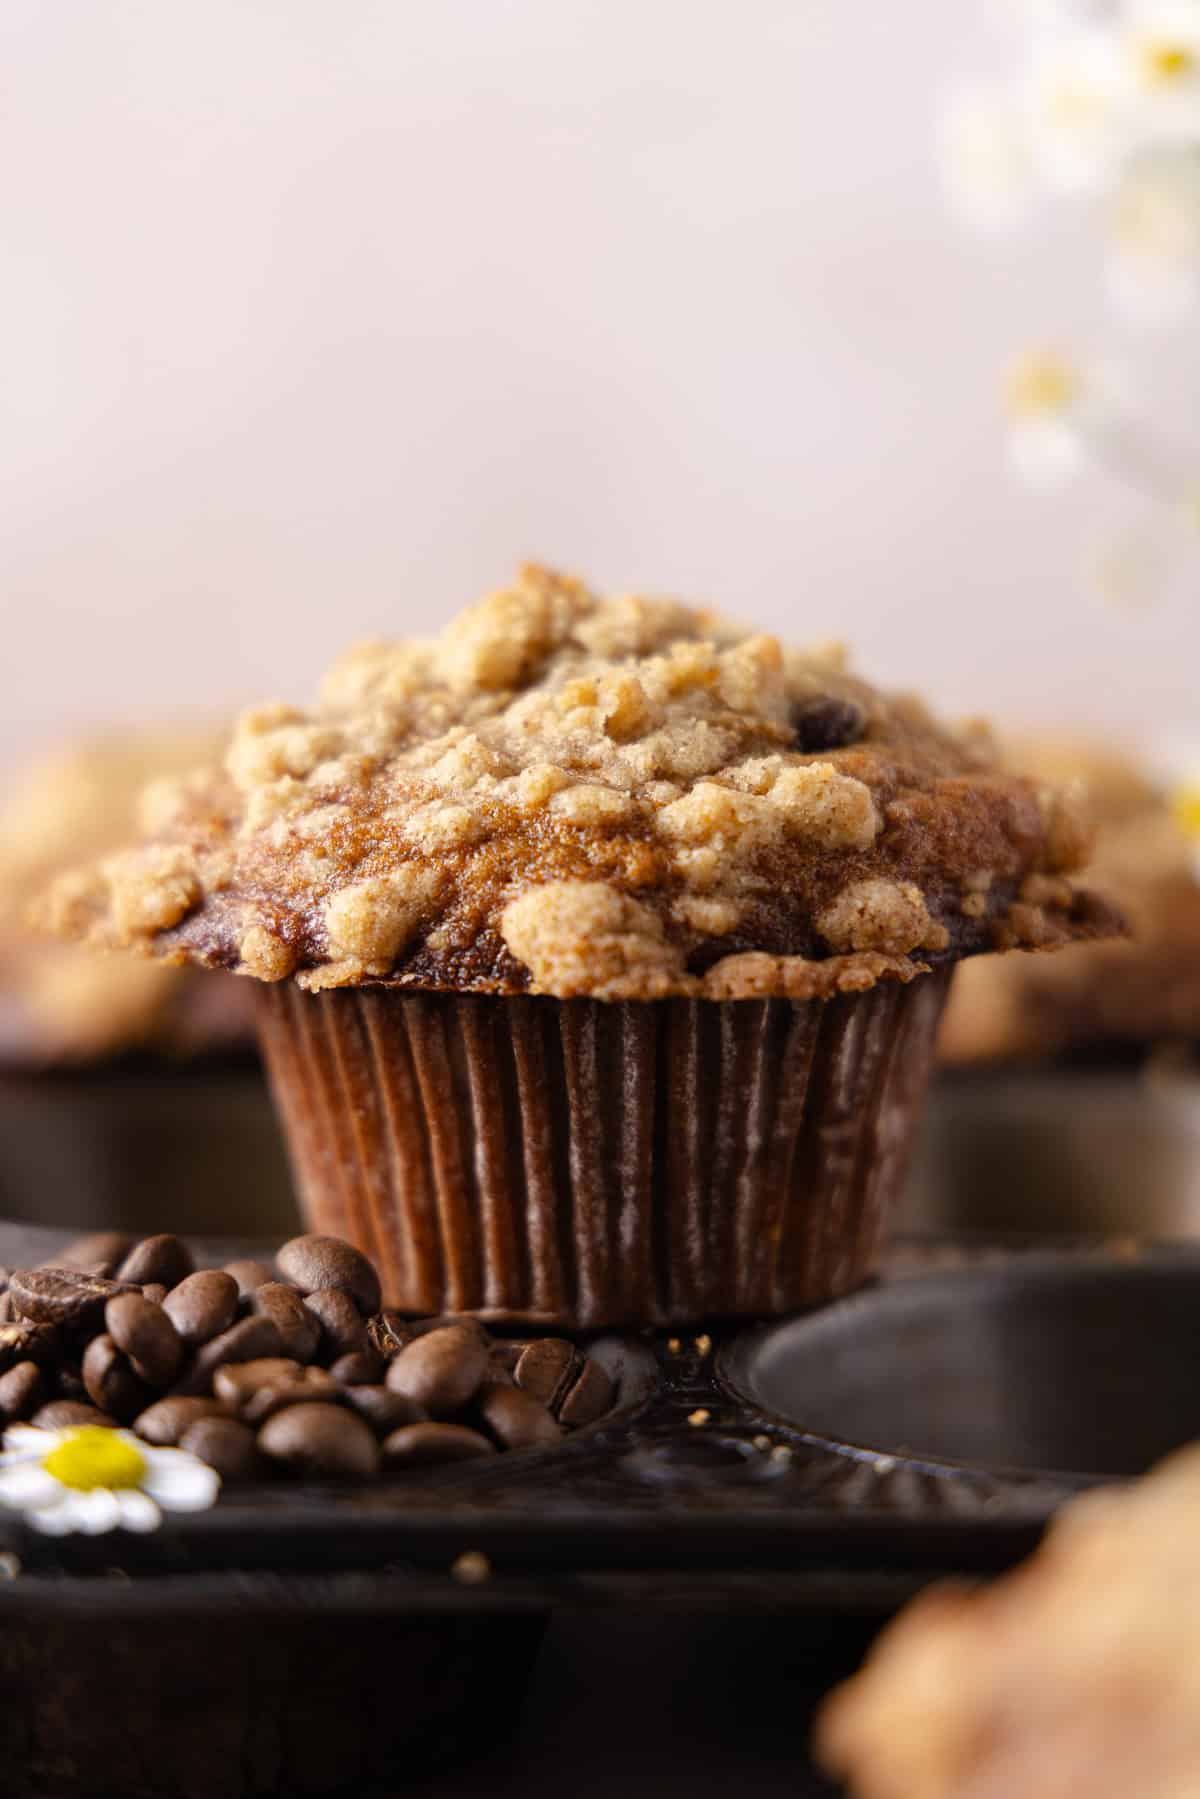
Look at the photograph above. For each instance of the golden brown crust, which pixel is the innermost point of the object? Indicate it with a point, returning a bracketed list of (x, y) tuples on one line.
[(1075, 1675), (1135, 991), (562, 794)]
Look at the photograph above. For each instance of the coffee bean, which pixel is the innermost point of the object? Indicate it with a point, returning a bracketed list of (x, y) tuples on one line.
[(99, 1252), (389, 1332), (249, 1274), (62, 1296), (110, 1381), (588, 1399), (168, 1420), (421, 1327), (544, 1369), (823, 722), (383, 1410), (239, 1381), (203, 1305), (362, 1368), (309, 1384), (225, 1445), (517, 1420), (156, 1291), (314, 1264), (246, 1341), (320, 1439), (146, 1335), (163, 1258), (21, 1341), (503, 1358), (67, 1383), (342, 1329), (21, 1390), (69, 1414), (422, 1445), (299, 1330), (441, 1371)]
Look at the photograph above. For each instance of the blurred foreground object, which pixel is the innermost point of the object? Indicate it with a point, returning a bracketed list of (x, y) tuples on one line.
[(1147, 859), (1077, 1675), (59, 1006)]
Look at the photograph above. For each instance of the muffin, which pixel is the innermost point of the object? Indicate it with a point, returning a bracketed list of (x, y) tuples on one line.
[(1079, 1674), (1102, 997), (120, 1079), (59, 1006), (601, 945)]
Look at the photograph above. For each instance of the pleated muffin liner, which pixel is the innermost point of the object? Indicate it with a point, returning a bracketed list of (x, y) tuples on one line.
[(588, 1163)]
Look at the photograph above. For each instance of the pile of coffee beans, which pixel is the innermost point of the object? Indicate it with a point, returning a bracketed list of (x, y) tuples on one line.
[(294, 1367)]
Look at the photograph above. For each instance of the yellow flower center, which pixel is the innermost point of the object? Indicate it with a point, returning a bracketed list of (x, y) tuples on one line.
[(94, 1456), (1039, 384), (1166, 63), (1186, 807)]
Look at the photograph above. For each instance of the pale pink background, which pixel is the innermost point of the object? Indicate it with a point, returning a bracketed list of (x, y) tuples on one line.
[(317, 316)]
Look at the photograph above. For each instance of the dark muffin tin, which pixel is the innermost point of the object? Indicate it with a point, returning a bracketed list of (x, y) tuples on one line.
[(829, 1464)]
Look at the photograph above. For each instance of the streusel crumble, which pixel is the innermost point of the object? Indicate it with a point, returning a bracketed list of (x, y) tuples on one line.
[(623, 798)]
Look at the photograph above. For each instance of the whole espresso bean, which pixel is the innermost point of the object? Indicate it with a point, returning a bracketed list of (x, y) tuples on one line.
[(246, 1341), (441, 1371), (503, 1358), (156, 1291), (99, 1252), (320, 1439), (517, 1420), (21, 1391), (362, 1368), (422, 1445), (143, 1332), (68, 1414), (588, 1399), (62, 1296), (389, 1332), (110, 1381), (202, 1305), (383, 1410), (342, 1329), (163, 1258), (421, 1327), (167, 1421), (225, 1445), (249, 1274), (544, 1369), (309, 1384), (299, 1330), (315, 1263), (21, 1341), (239, 1381)]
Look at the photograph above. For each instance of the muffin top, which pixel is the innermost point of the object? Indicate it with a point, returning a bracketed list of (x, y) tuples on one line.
[(57, 1003), (1131, 992), (626, 798)]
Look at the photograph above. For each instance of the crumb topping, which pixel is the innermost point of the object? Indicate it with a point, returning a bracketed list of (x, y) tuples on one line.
[(568, 794)]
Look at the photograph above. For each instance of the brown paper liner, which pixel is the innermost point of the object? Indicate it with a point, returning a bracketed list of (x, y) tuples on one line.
[(585, 1163)]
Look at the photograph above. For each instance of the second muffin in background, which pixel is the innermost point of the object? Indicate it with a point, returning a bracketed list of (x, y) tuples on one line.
[(604, 942)]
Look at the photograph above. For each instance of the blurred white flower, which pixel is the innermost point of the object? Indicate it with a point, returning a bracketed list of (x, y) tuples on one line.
[(984, 156), (1049, 405), (1160, 48), (1153, 251), (1077, 119), (93, 1479)]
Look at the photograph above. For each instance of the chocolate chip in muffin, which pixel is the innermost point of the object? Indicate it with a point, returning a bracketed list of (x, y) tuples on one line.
[(824, 722)]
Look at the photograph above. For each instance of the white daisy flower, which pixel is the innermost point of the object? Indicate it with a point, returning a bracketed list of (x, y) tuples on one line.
[(1049, 405), (984, 157), (1153, 252), (1160, 45), (1078, 126), (94, 1479)]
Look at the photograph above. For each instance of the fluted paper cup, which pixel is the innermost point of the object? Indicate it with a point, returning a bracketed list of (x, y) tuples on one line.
[(587, 1163)]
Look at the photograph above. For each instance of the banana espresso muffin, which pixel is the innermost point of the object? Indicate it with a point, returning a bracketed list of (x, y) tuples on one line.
[(602, 946)]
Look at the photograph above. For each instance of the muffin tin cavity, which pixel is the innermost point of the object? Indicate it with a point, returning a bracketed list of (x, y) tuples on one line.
[(1065, 1366)]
